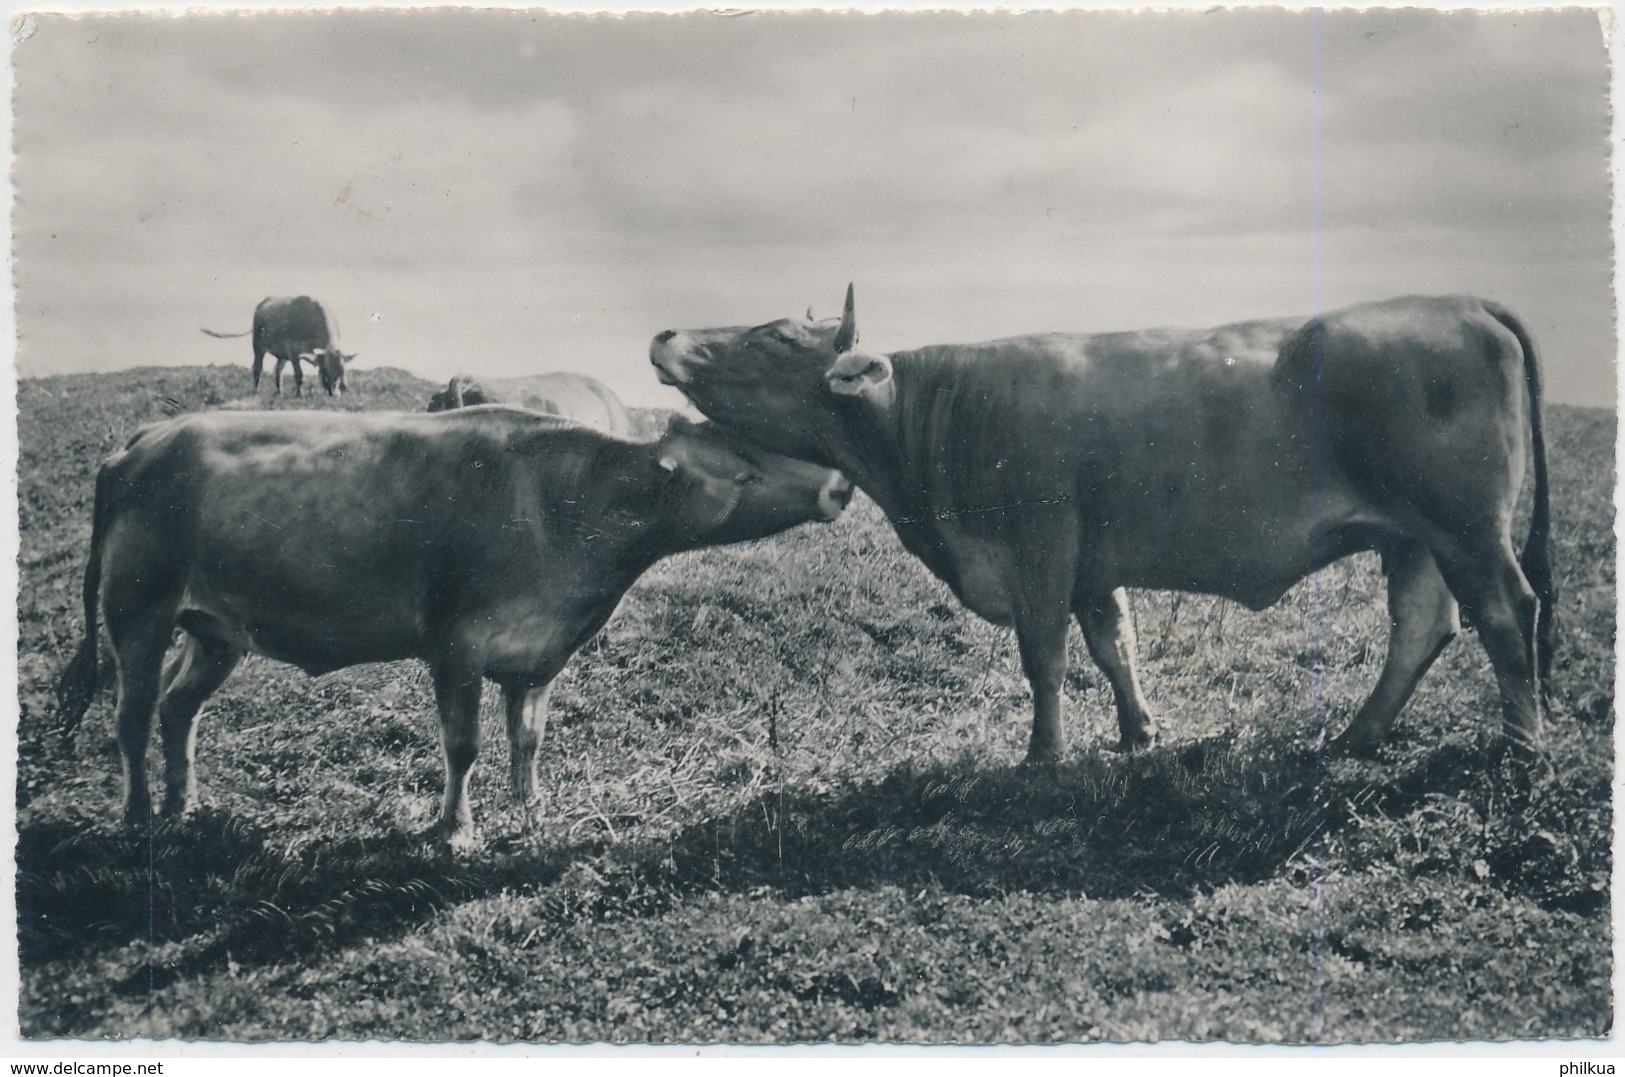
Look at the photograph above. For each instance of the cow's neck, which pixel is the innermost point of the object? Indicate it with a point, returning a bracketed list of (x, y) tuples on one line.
[(643, 509), (886, 451), (622, 514)]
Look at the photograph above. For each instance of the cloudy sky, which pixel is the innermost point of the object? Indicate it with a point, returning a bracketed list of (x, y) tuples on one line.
[(503, 192)]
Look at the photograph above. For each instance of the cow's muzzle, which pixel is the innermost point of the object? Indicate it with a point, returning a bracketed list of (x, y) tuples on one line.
[(834, 497), (666, 352)]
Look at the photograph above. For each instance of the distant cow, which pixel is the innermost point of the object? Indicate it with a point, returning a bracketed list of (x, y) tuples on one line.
[(1039, 476), (489, 542), (295, 330), (574, 396)]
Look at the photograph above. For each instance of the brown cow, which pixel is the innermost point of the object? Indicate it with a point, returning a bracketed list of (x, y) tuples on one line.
[(574, 396), (489, 542), (1039, 476), (295, 330)]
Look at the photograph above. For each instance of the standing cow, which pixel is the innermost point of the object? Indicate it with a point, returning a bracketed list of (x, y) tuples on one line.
[(1039, 476), (573, 396), (295, 330), (489, 542)]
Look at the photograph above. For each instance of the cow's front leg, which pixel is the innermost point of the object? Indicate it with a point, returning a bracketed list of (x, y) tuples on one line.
[(457, 693), (526, 708), (1041, 636), (1108, 629)]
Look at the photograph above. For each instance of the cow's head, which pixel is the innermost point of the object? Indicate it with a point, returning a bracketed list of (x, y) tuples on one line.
[(461, 392), (779, 383), (731, 491), (329, 363)]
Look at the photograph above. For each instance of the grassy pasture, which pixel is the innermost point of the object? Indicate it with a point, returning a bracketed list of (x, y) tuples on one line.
[(784, 807)]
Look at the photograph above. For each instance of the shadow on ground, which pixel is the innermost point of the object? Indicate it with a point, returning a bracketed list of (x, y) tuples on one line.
[(1171, 822)]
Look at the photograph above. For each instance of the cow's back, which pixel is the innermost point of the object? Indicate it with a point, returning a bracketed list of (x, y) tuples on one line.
[(348, 477), (574, 396), (327, 538), (1052, 417), (297, 323)]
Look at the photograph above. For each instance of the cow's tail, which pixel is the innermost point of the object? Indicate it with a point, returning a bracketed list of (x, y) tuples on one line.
[(226, 336), (1536, 561), (79, 681)]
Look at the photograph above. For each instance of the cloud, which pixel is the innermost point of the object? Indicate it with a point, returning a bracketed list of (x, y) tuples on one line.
[(490, 183)]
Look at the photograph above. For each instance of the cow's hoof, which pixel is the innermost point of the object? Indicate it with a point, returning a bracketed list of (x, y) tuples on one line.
[(1039, 763), (530, 810), (1527, 758), (1521, 742), (1351, 745), (1137, 742), (178, 807), (451, 839), (137, 813)]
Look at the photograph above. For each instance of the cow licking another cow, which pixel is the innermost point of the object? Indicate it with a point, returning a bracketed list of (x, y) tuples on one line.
[(490, 542), (1039, 476)]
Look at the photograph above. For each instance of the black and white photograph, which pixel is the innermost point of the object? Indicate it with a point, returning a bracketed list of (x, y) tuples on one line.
[(1080, 527)]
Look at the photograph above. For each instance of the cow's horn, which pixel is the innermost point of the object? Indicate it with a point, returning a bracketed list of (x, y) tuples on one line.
[(847, 334)]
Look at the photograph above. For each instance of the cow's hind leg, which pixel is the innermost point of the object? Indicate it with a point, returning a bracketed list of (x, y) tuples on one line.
[(139, 626), (139, 663), (192, 675), (526, 708), (457, 692), (1504, 607), (1108, 629), (1422, 620)]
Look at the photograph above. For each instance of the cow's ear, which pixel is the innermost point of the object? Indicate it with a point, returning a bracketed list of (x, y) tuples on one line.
[(348, 358), (859, 374), (847, 334)]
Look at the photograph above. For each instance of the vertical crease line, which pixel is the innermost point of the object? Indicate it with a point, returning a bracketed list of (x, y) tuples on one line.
[(1317, 941)]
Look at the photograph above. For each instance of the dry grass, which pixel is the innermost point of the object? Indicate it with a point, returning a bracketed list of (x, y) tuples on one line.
[(783, 806)]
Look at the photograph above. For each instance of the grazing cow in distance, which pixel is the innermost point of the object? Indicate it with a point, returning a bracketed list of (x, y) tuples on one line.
[(490, 542), (295, 330), (1039, 476), (573, 396)]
